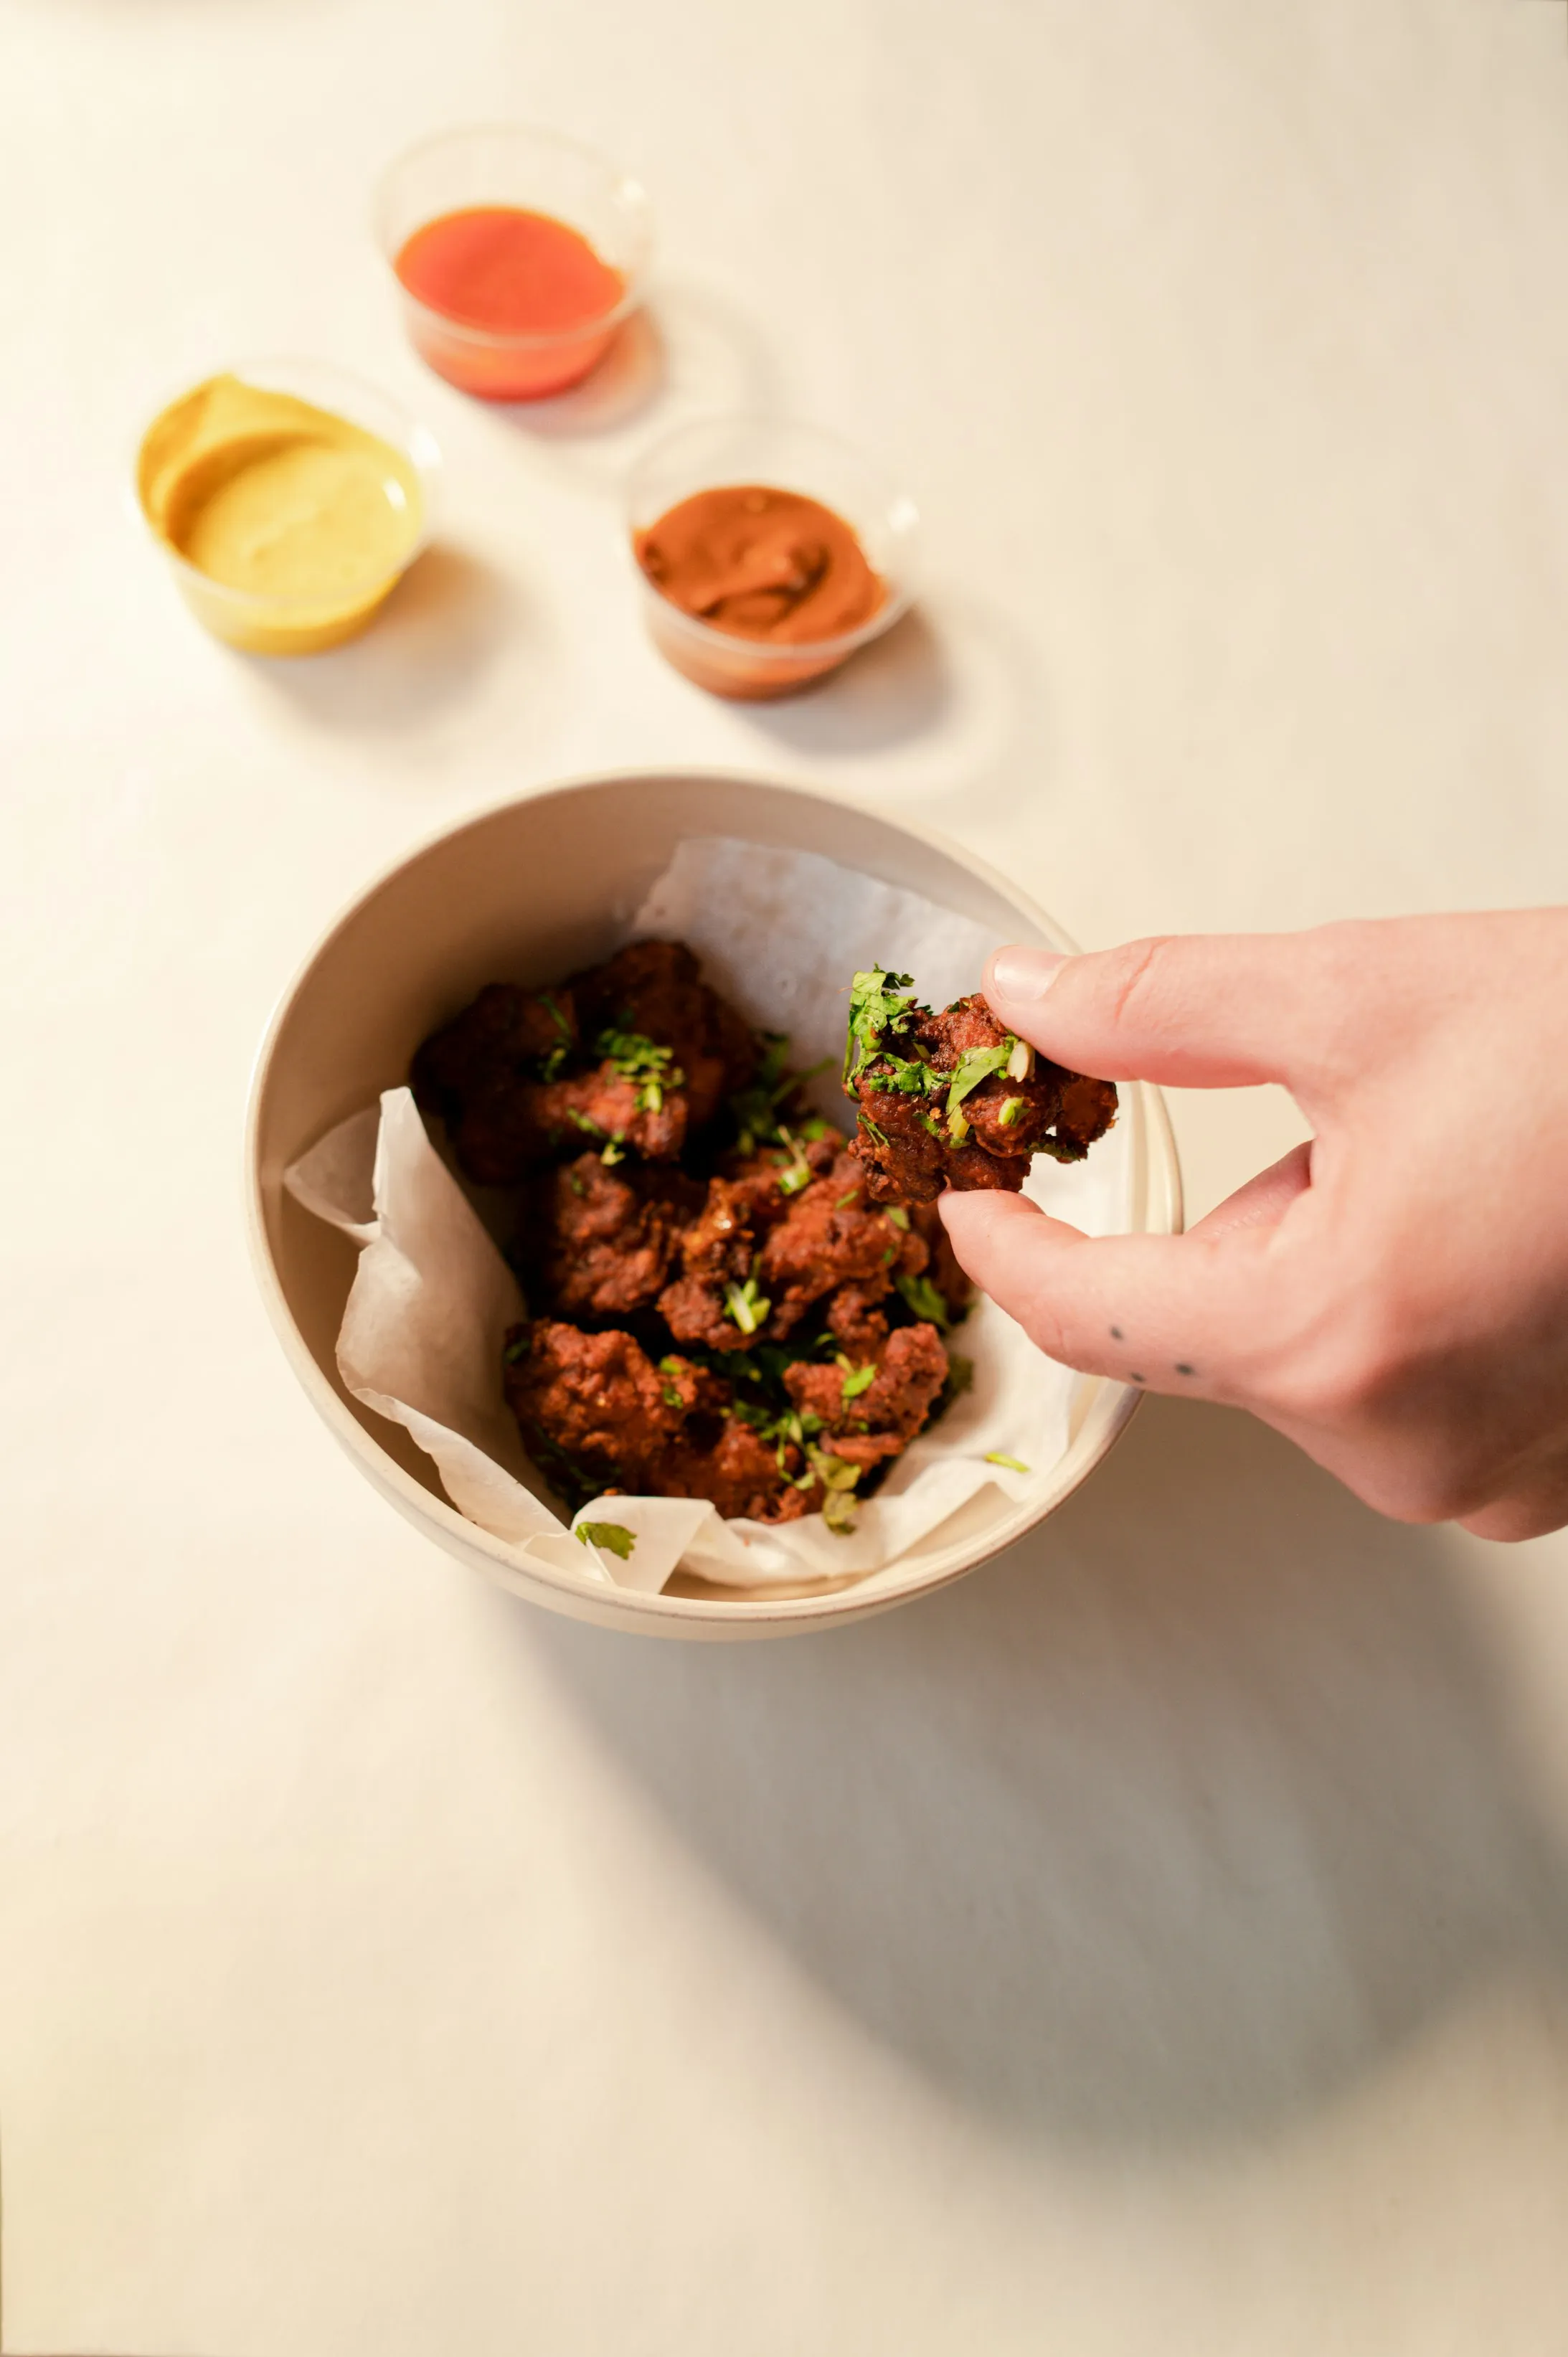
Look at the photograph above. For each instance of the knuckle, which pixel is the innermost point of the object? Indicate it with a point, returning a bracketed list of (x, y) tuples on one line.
[(1346, 1365), (1138, 980)]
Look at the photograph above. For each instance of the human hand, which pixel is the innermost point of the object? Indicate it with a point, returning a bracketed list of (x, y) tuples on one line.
[(1392, 1296)]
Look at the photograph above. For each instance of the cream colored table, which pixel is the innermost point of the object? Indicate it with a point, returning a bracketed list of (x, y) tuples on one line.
[(1157, 1943)]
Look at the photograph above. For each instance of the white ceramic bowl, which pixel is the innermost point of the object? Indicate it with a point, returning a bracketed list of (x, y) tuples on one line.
[(529, 890)]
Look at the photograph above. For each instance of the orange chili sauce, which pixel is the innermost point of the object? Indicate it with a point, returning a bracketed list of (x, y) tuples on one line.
[(760, 565), (508, 276)]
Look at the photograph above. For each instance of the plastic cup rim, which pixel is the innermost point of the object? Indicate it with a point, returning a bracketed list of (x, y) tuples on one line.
[(623, 184), (901, 508), (421, 447)]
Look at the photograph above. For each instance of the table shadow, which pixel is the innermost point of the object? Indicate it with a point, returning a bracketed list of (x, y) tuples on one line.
[(688, 353), (628, 379), (439, 632), (897, 688), (1170, 1825)]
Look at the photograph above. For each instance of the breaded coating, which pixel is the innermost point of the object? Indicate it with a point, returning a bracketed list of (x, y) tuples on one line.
[(635, 1055), (865, 1426), (954, 1098), (758, 1259), (600, 1242), (597, 1400), (831, 1236), (654, 990), (741, 1474), (942, 1267), (480, 1070), (597, 1413)]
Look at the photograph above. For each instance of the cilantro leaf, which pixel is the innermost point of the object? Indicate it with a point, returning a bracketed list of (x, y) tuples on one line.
[(614, 1538), (924, 1299), (882, 1009), (634, 1057), (745, 1305), (977, 1064)]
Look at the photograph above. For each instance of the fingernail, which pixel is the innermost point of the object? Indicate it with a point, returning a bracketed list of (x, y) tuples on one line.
[(1019, 973)]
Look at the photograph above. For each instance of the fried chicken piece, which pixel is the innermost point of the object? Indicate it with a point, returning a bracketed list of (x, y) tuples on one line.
[(756, 1253), (718, 1250), (478, 1071), (595, 1413), (600, 1242), (953, 1099), (870, 1426), (596, 1400), (638, 1053), (740, 1472), (602, 1105), (909, 1158), (654, 991), (830, 1236), (857, 1323), (506, 1034), (942, 1265)]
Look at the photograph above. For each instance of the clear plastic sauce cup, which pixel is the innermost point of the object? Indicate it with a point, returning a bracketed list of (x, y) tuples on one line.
[(512, 167), (780, 455)]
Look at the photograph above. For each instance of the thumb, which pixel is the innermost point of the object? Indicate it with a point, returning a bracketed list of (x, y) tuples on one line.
[(1168, 1313), (1197, 1010)]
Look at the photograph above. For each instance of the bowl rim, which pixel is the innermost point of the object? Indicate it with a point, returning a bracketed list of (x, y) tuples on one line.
[(660, 1612), (420, 448), (624, 185), (902, 509)]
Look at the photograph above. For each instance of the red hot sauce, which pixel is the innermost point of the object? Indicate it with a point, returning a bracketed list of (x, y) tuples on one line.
[(512, 304)]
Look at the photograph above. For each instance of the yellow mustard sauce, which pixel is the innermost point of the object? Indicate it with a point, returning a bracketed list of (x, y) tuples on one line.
[(300, 520)]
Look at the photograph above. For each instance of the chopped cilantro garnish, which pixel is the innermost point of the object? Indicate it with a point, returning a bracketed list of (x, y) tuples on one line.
[(641, 1061), (924, 1299), (871, 1129), (999, 1456), (592, 1127), (669, 1396), (517, 1348), (796, 1173), (756, 1108), (558, 1054), (898, 1215), (881, 1009), (671, 1365), (858, 1380), (614, 1151), (977, 1064), (614, 1538), (745, 1305), (845, 1201)]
